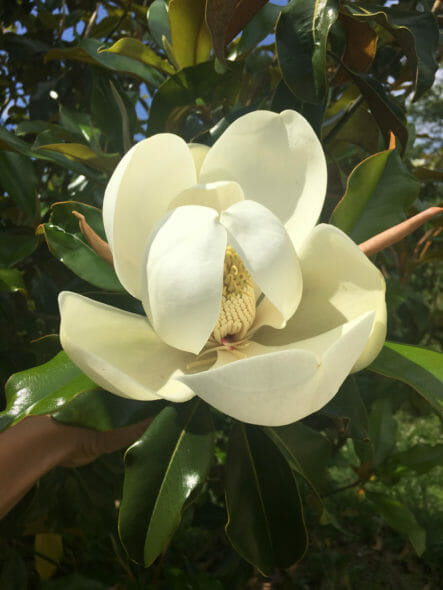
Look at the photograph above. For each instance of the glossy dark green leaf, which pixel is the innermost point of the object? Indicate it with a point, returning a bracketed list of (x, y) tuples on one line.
[(11, 280), (415, 32), (112, 112), (348, 408), (301, 37), (62, 216), (265, 515), (420, 458), (158, 21), (80, 152), (188, 90), (139, 51), (306, 450), (102, 410), (284, 99), (382, 429), (164, 471), (386, 110), (43, 389), (400, 518), (12, 142), (78, 123), (418, 367), (18, 179), (380, 191), (257, 29), (87, 51), (80, 258), (15, 246)]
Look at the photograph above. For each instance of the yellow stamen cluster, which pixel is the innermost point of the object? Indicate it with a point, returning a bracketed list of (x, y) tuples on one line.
[(238, 300)]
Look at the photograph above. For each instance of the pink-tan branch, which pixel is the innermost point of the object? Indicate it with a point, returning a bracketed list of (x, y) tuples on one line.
[(396, 233), (99, 246)]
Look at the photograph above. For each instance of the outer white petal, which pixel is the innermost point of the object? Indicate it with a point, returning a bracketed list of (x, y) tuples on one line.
[(266, 250), (339, 284), (199, 152), (184, 272), (218, 195), (138, 194), (119, 350), (276, 386), (278, 161)]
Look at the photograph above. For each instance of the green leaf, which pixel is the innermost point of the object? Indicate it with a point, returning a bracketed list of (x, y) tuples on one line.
[(382, 429), (11, 280), (79, 124), (187, 90), (83, 153), (135, 49), (164, 471), (348, 407), (80, 258), (301, 37), (15, 246), (306, 450), (87, 51), (379, 192), (400, 518), (257, 29), (415, 32), (418, 367), (62, 216), (420, 458), (386, 110), (43, 389), (158, 22), (103, 411), (18, 179), (226, 18), (190, 37), (113, 112), (12, 142), (265, 515)]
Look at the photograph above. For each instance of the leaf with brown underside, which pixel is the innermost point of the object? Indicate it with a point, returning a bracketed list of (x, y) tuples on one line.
[(361, 45), (226, 18)]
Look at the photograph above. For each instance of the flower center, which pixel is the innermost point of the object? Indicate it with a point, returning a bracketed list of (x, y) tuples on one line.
[(238, 300)]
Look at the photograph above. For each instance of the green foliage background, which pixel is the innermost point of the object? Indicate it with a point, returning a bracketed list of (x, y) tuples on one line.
[(81, 82)]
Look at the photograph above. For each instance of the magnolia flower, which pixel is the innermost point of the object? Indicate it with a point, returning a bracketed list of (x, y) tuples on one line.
[(248, 305)]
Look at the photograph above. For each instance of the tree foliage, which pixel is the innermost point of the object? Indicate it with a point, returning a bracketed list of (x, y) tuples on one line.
[(81, 83)]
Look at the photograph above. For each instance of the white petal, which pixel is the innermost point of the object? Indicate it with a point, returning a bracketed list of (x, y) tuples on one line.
[(267, 252), (118, 350), (279, 385), (278, 161), (339, 284), (266, 314), (218, 195), (138, 194), (199, 152), (261, 389), (184, 271)]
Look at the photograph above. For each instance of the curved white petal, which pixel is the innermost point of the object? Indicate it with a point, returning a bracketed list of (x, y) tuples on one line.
[(118, 350), (218, 195), (137, 196), (279, 385), (278, 161), (184, 273), (339, 284), (199, 152), (267, 252)]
